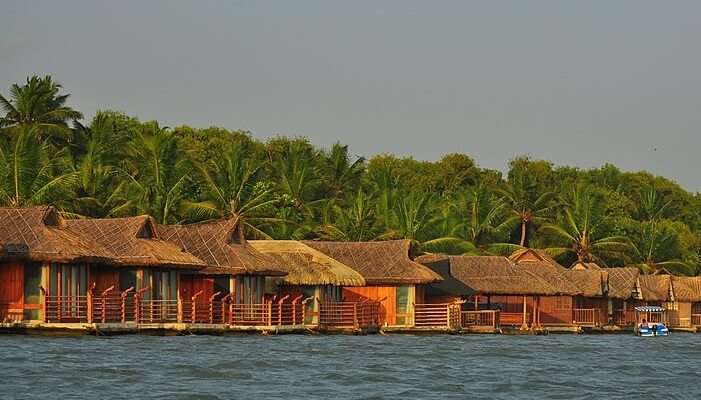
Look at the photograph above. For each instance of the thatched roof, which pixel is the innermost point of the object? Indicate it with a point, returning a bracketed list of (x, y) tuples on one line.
[(581, 265), (134, 241), (222, 247), (381, 262), (40, 234), (687, 288), (655, 287), (591, 283), (535, 257), (622, 282), (496, 275), (307, 266)]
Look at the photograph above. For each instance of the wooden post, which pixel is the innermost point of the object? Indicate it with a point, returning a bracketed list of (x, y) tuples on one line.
[(89, 305), (524, 324), (43, 303), (270, 313)]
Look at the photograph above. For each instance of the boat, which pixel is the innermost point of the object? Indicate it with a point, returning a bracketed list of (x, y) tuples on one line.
[(649, 321)]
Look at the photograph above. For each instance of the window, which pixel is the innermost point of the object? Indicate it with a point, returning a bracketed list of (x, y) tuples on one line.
[(127, 279), (165, 285), (68, 280), (32, 295), (249, 289), (404, 300)]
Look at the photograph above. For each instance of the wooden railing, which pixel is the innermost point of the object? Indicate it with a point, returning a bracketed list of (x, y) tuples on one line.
[(66, 309), (624, 317), (585, 316), (445, 315), (513, 319), (355, 315), (112, 306), (480, 319), (11, 312), (156, 311)]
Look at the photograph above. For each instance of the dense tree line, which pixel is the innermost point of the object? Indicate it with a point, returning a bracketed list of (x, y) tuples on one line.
[(286, 188)]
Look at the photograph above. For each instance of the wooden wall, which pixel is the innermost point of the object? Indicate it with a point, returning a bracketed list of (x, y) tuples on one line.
[(386, 295), (12, 284), (191, 284), (556, 310), (103, 278)]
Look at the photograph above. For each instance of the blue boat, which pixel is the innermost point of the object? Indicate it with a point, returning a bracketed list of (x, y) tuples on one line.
[(644, 325)]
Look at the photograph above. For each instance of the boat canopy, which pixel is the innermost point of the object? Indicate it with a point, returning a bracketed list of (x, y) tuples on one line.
[(649, 309)]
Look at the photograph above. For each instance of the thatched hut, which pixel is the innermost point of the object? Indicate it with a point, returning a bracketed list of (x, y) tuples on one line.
[(556, 309), (623, 294), (310, 274), (143, 260), (687, 305), (591, 306), (514, 290), (37, 251), (391, 276), (232, 265)]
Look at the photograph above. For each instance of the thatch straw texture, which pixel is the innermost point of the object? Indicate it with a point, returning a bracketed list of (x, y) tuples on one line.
[(39, 234), (580, 265), (535, 256), (134, 241), (308, 266), (687, 288), (380, 263), (222, 247), (622, 282), (655, 287), (499, 276), (591, 283)]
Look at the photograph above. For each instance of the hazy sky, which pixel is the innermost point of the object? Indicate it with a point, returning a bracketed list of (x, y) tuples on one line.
[(578, 83)]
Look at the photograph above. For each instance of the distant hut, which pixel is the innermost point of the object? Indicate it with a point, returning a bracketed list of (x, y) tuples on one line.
[(591, 307), (39, 252), (687, 305), (234, 268), (498, 284), (146, 265), (391, 276), (311, 274), (624, 294), (556, 309)]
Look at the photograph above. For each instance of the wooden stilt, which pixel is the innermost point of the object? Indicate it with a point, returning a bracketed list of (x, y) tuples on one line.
[(524, 325)]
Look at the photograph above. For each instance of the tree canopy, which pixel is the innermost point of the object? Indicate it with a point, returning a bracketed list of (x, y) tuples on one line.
[(288, 188)]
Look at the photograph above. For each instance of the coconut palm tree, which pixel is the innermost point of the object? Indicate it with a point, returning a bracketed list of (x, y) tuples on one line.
[(158, 173), (526, 205), (579, 229), (354, 221), (38, 104), (340, 174), (30, 174), (231, 187), (297, 176), (482, 213), (657, 247)]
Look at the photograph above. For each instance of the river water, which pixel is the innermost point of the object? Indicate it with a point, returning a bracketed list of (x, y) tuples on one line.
[(350, 367)]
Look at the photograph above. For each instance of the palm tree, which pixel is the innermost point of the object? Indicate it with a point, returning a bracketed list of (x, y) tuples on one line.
[(526, 205), (651, 205), (297, 174), (38, 104), (579, 229), (29, 173), (232, 188), (101, 186), (339, 173), (657, 247), (482, 213), (157, 173), (354, 221), (412, 214)]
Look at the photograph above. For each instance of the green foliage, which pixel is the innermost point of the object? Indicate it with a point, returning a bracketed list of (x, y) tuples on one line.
[(286, 188)]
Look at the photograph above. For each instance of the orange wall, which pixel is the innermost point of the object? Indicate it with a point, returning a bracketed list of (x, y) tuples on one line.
[(191, 284), (556, 310), (12, 283), (386, 295), (103, 278)]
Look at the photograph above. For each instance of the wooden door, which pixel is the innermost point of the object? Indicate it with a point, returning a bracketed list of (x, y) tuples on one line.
[(11, 292)]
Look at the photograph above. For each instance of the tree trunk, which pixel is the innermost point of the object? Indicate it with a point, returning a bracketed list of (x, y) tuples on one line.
[(523, 233)]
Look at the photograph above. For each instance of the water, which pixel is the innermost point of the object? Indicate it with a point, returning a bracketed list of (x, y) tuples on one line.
[(350, 367)]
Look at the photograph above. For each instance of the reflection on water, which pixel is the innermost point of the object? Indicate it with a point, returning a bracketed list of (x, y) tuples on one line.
[(350, 367)]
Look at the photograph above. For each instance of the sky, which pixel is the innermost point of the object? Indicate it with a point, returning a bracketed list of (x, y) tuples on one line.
[(576, 83)]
